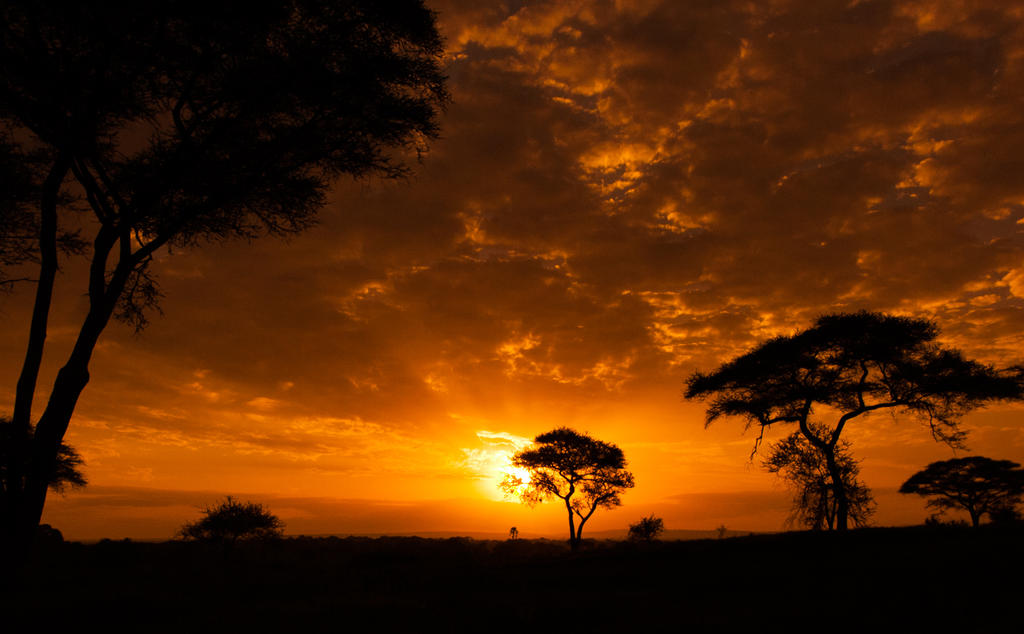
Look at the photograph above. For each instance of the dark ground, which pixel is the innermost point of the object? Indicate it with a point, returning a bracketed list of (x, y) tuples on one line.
[(881, 579)]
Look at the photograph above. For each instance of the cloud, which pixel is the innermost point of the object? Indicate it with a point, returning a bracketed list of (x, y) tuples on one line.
[(624, 192), (503, 438)]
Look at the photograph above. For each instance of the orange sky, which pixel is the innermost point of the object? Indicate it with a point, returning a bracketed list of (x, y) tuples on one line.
[(625, 192)]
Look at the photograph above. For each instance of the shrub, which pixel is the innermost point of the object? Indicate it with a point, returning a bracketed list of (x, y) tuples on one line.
[(231, 521), (647, 529)]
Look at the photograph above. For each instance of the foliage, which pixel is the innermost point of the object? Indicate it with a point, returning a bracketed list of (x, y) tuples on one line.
[(231, 521), (805, 469), (585, 473), (67, 474), (169, 124), (647, 529), (852, 364), (1006, 515), (975, 484)]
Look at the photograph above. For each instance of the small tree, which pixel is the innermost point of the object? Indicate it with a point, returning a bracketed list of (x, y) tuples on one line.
[(585, 473), (974, 484), (852, 364), (231, 521), (814, 502), (647, 529)]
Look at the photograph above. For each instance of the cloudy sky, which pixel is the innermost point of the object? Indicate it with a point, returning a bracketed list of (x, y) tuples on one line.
[(624, 193)]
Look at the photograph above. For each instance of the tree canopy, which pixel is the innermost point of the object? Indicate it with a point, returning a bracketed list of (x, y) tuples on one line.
[(852, 364), (975, 484), (156, 125), (231, 521), (585, 473)]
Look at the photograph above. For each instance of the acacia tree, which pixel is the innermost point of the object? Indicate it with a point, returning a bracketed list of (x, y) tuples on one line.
[(585, 473), (975, 484), (804, 468), (848, 365), (171, 123)]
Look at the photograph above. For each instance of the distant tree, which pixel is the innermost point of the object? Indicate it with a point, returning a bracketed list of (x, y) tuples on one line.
[(1005, 515), (585, 473), (231, 521), (852, 364), (647, 529), (513, 533), (974, 484), (721, 530), (805, 470), (160, 125), (67, 474)]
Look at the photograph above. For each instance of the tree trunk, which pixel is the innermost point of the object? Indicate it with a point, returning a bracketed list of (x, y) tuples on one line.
[(583, 520), (573, 541), (828, 449), (579, 532), (838, 489), (53, 424), (15, 534), (26, 388)]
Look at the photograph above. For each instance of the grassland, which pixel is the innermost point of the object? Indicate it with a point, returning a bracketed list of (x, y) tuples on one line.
[(880, 579)]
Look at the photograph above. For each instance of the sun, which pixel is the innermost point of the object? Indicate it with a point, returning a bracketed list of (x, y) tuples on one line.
[(496, 468), (518, 473), (492, 463)]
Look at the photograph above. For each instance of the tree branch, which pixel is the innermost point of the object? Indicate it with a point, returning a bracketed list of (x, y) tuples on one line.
[(834, 438), (94, 194)]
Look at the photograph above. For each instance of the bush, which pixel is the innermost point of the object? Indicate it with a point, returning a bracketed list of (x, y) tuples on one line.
[(647, 529), (231, 521)]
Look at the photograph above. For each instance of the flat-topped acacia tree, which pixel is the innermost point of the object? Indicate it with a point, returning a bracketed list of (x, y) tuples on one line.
[(975, 484), (848, 365), (585, 473), (130, 128)]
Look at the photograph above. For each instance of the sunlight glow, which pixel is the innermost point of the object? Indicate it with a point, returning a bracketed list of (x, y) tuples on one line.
[(490, 464)]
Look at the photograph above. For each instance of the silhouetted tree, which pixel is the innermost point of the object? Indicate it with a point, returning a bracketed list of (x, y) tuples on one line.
[(585, 473), (806, 471), (974, 484), (67, 473), (1005, 515), (231, 521), (853, 364), (647, 529), (513, 533), (172, 123)]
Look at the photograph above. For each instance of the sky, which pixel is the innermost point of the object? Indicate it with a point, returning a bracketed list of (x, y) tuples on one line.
[(623, 193)]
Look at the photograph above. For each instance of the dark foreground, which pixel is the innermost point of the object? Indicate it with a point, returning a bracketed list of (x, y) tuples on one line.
[(910, 579)]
